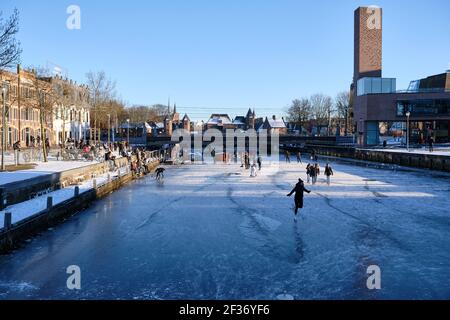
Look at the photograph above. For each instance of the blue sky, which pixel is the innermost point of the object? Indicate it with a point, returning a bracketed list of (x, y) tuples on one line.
[(229, 55)]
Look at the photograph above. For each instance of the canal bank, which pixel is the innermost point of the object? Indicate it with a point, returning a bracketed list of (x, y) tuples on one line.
[(431, 161), (65, 194)]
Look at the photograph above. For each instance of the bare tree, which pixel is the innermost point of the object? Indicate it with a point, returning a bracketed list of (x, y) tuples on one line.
[(344, 108), (113, 113), (322, 109), (43, 97), (101, 91), (10, 49), (300, 111), (155, 113)]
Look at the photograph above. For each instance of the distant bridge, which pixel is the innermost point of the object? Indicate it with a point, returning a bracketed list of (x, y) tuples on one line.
[(285, 141)]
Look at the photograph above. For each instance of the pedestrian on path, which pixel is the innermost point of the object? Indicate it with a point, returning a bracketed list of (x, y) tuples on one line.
[(299, 191), (259, 162), (328, 173)]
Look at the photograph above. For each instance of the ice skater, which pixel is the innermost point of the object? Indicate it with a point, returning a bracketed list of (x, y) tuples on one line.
[(247, 161), (308, 173), (259, 162), (160, 174), (313, 171), (299, 158), (253, 171), (328, 173), (317, 171), (431, 144), (287, 155), (299, 191)]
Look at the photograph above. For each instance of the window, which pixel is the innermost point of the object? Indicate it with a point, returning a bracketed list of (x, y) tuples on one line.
[(376, 85), (423, 107)]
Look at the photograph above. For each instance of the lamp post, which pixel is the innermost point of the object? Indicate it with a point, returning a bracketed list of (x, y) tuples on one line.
[(4, 126), (408, 114), (42, 120), (109, 130), (128, 132)]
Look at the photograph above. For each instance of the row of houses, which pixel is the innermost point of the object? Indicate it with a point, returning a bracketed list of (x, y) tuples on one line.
[(223, 122), (137, 133), (64, 116)]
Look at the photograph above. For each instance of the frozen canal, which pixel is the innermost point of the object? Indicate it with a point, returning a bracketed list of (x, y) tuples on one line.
[(212, 232)]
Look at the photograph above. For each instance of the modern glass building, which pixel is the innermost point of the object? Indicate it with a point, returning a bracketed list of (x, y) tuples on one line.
[(380, 110)]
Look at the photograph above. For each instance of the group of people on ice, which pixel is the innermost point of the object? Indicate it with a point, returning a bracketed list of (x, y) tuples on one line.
[(287, 156), (248, 165), (312, 172)]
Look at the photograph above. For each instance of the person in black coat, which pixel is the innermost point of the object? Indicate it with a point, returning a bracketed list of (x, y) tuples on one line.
[(299, 191), (431, 144), (299, 158), (247, 161), (328, 173)]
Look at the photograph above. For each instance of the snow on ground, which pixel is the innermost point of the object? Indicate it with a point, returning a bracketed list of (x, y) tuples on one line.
[(32, 207), (213, 232), (42, 169)]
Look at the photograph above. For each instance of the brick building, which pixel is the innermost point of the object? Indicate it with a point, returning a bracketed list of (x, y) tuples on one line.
[(173, 121), (65, 119), (379, 108)]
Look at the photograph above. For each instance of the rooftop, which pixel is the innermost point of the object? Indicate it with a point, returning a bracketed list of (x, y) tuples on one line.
[(219, 119)]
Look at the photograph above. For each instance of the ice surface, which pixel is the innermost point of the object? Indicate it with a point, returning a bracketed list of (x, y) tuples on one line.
[(212, 232)]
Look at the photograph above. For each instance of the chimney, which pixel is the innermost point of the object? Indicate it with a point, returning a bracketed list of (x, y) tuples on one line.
[(368, 42)]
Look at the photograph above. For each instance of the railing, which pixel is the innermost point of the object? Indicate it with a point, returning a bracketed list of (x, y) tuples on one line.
[(77, 154), (426, 90)]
